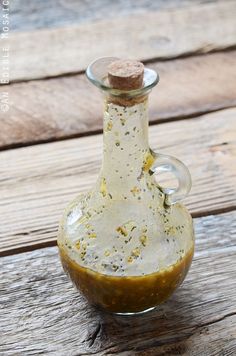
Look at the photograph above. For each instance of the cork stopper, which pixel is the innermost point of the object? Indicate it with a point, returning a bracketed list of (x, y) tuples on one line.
[(126, 74)]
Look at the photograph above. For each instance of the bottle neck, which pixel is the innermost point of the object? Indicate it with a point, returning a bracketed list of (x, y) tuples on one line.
[(125, 144)]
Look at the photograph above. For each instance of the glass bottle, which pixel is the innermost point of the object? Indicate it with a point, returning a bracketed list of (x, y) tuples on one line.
[(128, 243)]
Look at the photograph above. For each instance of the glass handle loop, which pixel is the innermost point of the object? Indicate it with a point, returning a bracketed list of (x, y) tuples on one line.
[(165, 163)]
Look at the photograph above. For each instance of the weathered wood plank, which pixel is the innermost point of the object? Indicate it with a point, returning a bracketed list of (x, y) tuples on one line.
[(37, 182), (56, 108), (42, 313), (209, 340), (170, 33), (55, 13)]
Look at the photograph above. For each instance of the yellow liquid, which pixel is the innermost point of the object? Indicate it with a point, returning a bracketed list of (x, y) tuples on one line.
[(127, 294)]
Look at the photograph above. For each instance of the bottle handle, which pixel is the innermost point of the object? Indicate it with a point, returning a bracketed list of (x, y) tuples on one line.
[(165, 163)]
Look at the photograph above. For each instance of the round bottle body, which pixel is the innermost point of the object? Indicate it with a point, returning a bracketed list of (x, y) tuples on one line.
[(133, 266), (128, 243)]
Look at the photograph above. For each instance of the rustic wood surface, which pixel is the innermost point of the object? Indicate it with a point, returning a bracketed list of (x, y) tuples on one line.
[(57, 13), (46, 110), (169, 33), (38, 181), (43, 314), (193, 117)]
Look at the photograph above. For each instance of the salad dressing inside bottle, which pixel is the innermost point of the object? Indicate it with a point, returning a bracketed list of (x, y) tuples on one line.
[(128, 243)]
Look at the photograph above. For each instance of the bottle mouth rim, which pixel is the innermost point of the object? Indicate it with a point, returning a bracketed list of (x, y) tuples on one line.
[(97, 74)]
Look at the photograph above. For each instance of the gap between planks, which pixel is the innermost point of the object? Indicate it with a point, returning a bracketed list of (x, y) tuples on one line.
[(199, 318), (170, 33), (153, 122), (43, 15), (45, 244), (57, 109), (147, 62), (38, 181)]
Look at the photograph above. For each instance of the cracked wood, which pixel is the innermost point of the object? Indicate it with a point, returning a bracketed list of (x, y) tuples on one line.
[(38, 181), (39, 304)]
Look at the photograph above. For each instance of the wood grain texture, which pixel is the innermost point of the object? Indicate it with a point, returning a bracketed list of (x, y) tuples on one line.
[(153, 34), (37, 182), (53, 109), (57, 13), (42, 313)]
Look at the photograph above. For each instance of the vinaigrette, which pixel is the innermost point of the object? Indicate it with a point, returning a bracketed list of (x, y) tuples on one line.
[(128, 243)]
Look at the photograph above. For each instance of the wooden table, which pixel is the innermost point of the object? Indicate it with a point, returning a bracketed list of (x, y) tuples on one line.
[(50, 143)]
